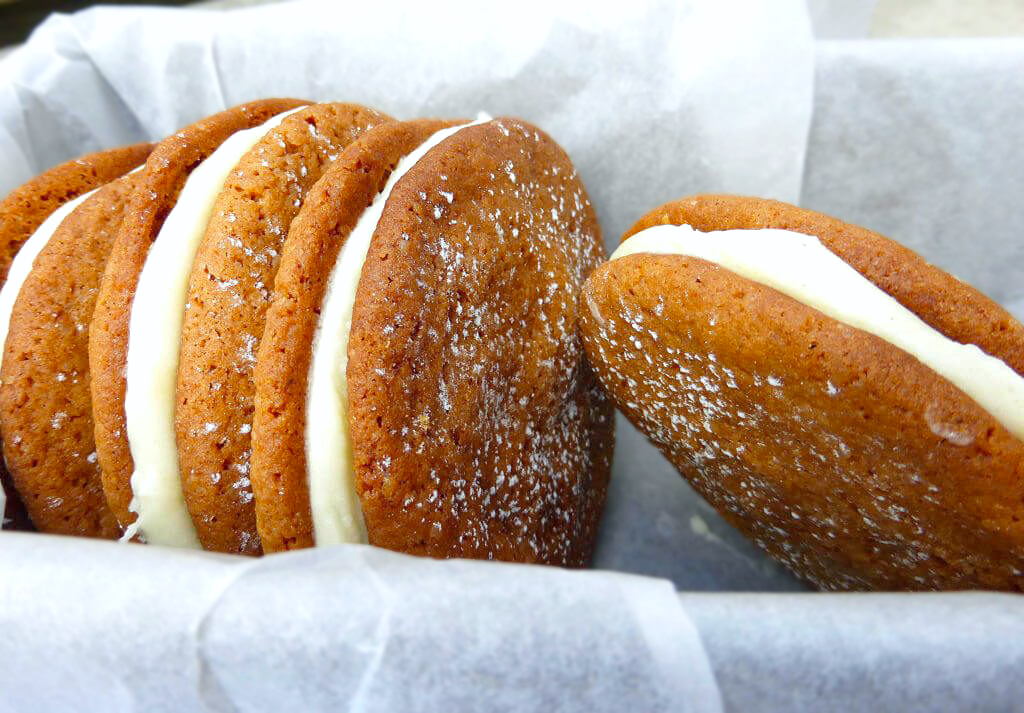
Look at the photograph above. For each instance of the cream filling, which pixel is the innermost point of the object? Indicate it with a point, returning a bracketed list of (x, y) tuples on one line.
[(337, 513), (801, 267), (154, 340)]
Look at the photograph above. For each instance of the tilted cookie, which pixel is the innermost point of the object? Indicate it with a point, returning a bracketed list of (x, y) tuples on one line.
[(853, 409), (420, 384), (55, 233)]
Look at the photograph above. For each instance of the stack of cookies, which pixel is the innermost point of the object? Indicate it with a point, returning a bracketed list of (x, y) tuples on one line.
[(296, 324)]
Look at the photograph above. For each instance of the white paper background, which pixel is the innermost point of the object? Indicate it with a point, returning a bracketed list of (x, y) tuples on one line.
[(652, 101)]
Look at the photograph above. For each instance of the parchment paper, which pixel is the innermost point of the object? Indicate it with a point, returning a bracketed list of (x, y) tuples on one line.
[(864, 653), (652, 101), (725, 86), (329, 629), (923, 141)]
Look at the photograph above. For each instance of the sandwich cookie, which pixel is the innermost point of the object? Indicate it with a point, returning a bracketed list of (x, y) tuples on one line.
[(851, 408), (148, 222), (420, 384), (229, 291), (45, 406), (37, 219)]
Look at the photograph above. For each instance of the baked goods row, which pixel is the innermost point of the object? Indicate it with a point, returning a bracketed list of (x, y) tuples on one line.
[(293, 324), (302, 323)]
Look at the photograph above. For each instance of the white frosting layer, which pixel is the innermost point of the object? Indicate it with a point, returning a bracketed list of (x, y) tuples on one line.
[(337, 514), (801, 267), (154, 340), (26, 256)]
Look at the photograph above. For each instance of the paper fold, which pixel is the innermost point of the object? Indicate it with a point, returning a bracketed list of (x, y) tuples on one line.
[(342, 627), (922, 141), (725, 86)]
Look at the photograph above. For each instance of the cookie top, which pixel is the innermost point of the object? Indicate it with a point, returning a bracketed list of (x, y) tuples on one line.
[(45, 409), (27, 206), (163, 177), (228, 294), (840, 453), (475, 427)]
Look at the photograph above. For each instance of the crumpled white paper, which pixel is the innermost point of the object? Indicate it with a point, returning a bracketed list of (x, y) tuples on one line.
[(328, 629), (864, 653), (711, 94), (652, 101)]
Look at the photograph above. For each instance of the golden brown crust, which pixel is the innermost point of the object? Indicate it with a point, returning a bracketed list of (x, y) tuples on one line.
[(837, 452), (229, 292), (477, 430), (165, 173), (329, 213), (45, 409), (948, 305), (29, 205)]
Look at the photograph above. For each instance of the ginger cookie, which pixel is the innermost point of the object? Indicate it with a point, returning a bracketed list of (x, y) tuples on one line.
[(155, 211), (22, 212), (45, 406), (421, 384), (851, 408), (228, 294)]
